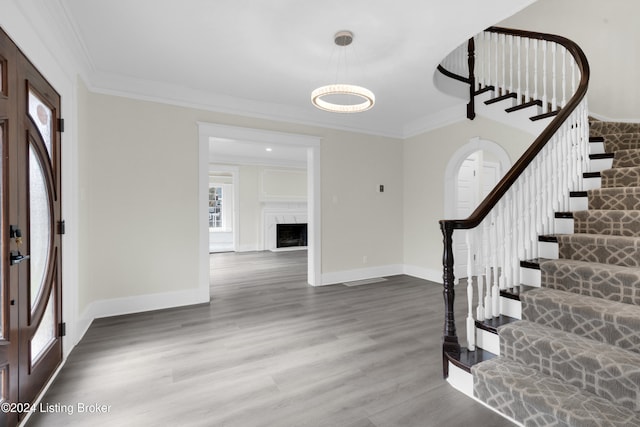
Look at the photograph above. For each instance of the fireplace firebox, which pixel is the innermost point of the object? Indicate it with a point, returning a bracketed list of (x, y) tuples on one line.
[(291, 235)]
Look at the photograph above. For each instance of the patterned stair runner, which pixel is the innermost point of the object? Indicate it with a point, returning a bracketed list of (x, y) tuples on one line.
[(574, 359)]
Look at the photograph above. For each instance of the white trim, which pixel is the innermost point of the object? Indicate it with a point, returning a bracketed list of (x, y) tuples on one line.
[(424, 273), (248, 248), (460, 380), (259, 136), (142, 303), (361, 274)]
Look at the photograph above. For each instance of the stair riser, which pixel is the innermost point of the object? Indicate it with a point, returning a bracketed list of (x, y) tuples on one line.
[(591, 183), (578, 204), (530, 277), (596, 148), (597, 165), (511, 307), (563, 225), (549, 250), (488, 341)]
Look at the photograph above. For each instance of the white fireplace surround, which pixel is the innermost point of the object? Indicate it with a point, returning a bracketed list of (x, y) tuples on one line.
[(281, 213)]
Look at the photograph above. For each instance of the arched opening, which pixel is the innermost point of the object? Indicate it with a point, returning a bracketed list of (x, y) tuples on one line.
[(471, 174)]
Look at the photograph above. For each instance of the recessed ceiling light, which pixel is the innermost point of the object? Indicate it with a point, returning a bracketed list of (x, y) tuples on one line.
[(269, 149)]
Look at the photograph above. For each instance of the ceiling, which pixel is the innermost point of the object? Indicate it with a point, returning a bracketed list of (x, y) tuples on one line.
[(224, 150), (263, 58)]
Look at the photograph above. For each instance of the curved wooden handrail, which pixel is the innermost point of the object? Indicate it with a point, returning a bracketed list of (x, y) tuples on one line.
[(450, 344), (518, 168)]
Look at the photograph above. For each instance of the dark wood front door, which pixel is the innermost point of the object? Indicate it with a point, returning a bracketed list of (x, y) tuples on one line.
[(31, 298)]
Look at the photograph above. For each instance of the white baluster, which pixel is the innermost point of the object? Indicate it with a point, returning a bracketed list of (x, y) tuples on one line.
[(495, 65), (544, 77), (536, 94), (495, 289), (519, 89), (479, 236), (503, 40), (471, 329), (511, 85), (487, 269), (554, 79), (526, 69), (564, 77)]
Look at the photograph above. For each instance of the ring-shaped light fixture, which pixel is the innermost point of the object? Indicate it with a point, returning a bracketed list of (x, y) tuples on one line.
[(343, 89)]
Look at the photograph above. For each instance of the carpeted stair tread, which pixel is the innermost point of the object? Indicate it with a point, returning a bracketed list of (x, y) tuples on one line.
[(605, 321), (620, 141), (609, 222), (610, 282), (614, 198), (621, 177), (601, 369), (600, 248), (626, 158), (537, 400), (597, 128)]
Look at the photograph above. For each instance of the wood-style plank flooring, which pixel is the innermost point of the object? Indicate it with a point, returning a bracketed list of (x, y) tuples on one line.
[(270, 351)]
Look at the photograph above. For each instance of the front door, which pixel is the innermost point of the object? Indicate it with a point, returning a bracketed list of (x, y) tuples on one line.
[(31, 298)]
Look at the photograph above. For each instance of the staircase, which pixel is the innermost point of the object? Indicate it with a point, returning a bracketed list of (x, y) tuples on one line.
[(574, 358), (553, 331)]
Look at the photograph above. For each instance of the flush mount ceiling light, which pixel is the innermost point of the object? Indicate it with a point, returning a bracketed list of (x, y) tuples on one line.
[(353, 99)]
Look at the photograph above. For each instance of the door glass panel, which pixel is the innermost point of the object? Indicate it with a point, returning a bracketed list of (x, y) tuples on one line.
[(41, 115), (39, 225), (2, 76), (45, 333), (4, 383)]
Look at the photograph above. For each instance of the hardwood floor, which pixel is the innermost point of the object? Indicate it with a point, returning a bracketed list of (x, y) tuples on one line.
[(270, 351)]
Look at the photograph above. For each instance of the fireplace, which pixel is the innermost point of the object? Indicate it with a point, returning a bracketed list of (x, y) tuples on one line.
[(291, 235)]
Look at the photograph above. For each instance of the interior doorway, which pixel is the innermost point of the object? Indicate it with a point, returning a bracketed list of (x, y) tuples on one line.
[(263, 139), (472, 172)]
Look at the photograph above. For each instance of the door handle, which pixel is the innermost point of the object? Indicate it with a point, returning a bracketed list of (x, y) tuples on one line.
[(17, 257)]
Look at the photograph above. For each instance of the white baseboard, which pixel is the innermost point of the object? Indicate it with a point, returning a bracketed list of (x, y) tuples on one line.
[(361, 274), (382, 271), (139, 304), (424, 273), (247, 248)]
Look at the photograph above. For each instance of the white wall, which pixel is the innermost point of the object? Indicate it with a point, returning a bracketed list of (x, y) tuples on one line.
[(140, 167), (357, 221), (609, 34), (425, 159), (259, 184)]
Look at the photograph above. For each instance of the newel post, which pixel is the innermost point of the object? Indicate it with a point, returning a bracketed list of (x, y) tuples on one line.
[(471, 61), (450, 338)]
